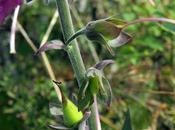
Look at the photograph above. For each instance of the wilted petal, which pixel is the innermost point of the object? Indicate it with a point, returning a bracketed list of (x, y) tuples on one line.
[(122, 39), (103, 64), (54, 44), (6, 7)]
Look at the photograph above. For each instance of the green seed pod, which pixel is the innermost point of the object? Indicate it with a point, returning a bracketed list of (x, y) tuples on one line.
[(94, 84), (71, 114)]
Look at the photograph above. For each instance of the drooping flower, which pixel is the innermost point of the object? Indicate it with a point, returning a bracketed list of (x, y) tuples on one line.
[(107, 32), (95, 84), (7, 7), (110, 32)]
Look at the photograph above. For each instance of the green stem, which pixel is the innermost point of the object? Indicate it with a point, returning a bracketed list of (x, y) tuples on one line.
[(74, 52)]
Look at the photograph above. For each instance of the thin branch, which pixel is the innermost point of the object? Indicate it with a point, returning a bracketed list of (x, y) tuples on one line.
[(50, 28), (26, 37), (43, 55)]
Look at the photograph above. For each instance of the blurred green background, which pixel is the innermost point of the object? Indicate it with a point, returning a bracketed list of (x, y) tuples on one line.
[(142, 79)]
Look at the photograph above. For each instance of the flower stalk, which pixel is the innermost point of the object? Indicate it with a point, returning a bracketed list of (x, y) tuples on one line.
[(73, 50)]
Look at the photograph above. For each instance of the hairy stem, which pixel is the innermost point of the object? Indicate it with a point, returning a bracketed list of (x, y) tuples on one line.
[(73, 50), (68, 31)]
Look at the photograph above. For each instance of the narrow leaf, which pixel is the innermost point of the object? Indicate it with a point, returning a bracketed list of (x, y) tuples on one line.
[(122, 39), (127, 124), (54, 44), (103, 63), (59, 127)]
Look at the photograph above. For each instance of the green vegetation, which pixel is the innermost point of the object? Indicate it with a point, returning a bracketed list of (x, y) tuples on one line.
[(142, 77)]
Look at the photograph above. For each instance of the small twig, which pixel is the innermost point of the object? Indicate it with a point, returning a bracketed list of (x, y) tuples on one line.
[(50, 28), (13, 30), (26, 37)]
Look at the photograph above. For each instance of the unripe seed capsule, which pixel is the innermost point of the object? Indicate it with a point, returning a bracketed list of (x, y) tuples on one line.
[(94, 84), (71, 114)]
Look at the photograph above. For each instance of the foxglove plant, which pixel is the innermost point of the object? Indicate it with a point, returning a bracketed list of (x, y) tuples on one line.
[(108, 32)]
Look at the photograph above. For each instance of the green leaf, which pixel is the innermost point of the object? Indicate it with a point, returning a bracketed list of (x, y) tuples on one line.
[(127, 124)]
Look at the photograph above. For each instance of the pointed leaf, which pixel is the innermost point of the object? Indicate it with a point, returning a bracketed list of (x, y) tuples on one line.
[(59, 127), (122, 39), (127, 124), (54, 44), (103, 63)]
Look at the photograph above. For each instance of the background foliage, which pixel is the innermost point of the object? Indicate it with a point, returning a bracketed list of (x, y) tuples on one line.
[(142, 79)]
